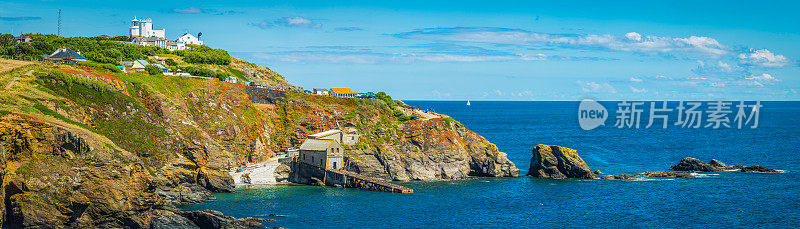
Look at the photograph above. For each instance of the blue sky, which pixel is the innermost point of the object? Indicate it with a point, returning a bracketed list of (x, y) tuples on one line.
[(506, 50)]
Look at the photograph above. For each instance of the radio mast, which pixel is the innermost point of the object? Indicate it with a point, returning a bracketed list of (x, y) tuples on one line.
[(59, 22)]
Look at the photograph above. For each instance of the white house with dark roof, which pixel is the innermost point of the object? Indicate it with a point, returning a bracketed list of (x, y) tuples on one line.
[(188, 38), (322, 153)]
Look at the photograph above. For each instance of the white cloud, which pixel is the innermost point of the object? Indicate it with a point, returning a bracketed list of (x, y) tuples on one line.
[(190, 10), (296, 22), (637, 90), (763, 57), (440, 95), (588, 86), (634, 36), (637, 80), (760, 80), (300, 22), (368, 57), (630, 42)]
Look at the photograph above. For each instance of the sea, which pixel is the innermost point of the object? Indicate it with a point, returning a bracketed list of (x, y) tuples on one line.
[(727, 199)]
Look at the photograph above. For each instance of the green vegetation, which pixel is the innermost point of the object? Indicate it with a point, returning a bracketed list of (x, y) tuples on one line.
[(98, 49), (205, 72), (171, 62), (400, 116), (385, 98), (47, 111), (152, 69), (448, 120), (62, 80), (204, 55)]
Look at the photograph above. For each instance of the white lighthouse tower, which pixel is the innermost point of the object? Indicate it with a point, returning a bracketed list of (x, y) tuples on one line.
[(135, 27), (144, 28)]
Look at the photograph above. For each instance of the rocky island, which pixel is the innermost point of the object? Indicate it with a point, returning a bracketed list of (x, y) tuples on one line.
[(558, 162)]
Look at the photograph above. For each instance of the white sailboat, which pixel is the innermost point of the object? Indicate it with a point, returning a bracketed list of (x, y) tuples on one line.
[(467, 102)]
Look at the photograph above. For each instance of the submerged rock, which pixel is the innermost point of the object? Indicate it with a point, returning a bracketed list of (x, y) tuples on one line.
[(694, 165), (170, 220), (558, 163), (758, 169), (620, 176), (598, 172), (667, 174), (215, 219)]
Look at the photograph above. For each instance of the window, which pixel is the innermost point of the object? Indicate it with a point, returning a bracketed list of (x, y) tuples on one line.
[(334, 165)]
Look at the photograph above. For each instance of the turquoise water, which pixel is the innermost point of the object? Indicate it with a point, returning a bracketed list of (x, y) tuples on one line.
[(718, 200)]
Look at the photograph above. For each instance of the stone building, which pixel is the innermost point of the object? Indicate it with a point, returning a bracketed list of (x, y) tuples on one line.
[(322, 153), (349, 137)]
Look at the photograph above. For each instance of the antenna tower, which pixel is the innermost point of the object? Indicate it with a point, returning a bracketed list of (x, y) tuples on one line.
[(59, 22)]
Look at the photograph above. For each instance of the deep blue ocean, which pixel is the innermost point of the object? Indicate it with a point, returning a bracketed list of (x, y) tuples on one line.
[(717, 200)]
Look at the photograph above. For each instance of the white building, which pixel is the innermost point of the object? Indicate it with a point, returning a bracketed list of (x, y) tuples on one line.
[(144, 28), (142, 33), (189, 39)]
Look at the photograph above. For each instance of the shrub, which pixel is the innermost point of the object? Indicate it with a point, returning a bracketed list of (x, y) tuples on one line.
[(152, 69), (400, 116), (171, 62), (202, 54), (107, 50), (98, 57), (205, 72), (385, 98), (59, 79)]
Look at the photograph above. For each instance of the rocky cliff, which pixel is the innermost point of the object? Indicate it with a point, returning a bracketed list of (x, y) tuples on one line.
[(86, 147), (59, 176), (419, 149)]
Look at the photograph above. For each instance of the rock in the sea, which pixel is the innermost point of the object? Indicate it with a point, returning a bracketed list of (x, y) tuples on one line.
[(598, 172), (666, 174), (695, 165), (246, 178), (620, 176), (184, 194), (170, 220), (558, 163), (214, 219), (282, 173), (758, 169)]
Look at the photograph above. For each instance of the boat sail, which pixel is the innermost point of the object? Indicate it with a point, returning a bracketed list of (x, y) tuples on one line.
[(468, 103)]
